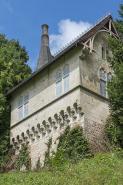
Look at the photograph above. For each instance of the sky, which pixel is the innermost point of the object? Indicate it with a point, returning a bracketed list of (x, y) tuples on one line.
[(66, 19)]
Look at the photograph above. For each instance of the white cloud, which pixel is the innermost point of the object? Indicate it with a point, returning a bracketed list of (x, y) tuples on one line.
[(68, 30)]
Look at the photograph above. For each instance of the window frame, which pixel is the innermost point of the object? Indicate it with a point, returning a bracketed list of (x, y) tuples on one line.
[(104, 80), (62, 80), (65, 76), (57, 81), (26, 102), (19, 109), (23, 107)]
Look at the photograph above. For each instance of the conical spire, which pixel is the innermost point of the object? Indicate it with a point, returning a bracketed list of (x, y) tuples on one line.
[(44, 55)]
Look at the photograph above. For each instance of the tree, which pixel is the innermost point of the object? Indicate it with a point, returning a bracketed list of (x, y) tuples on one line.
[(114, 125), (13, 70)]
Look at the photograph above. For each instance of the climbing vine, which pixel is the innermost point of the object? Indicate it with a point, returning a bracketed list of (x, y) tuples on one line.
[(23, 158), (72, 147), (74, 143)]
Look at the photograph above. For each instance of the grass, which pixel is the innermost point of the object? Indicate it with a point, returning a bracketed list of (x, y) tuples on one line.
[(102, 169)]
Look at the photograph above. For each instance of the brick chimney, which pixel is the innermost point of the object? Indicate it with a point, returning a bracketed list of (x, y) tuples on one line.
[(44, 55)]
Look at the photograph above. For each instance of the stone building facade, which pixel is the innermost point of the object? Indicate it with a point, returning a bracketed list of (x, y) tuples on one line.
[(66, 89)]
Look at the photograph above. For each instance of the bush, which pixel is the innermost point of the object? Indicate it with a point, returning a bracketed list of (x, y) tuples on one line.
[(72, 147), (113, 131), (74, 144)]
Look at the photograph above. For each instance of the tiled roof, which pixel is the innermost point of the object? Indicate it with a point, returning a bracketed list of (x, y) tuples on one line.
[(95, 28)]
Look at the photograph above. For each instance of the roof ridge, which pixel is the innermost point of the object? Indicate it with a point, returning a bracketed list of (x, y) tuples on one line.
[(83, 33)]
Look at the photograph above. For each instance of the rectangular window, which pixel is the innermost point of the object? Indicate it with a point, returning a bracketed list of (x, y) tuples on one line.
[(66, 71), (26, 98), (58, 76), (59, 88), (23, 107), (26, 105), (20, 113), (102, 88), (66, 84), (20, 102)]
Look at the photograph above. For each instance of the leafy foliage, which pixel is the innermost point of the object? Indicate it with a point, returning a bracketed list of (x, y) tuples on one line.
[(13, 70), (57, 160), (102, 169), (72, 147), (114, 131), (47, 153), (74, 143), (115, 86), (24, 158)]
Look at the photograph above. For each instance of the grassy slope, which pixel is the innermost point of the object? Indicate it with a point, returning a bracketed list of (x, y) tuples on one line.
[(102, 169)]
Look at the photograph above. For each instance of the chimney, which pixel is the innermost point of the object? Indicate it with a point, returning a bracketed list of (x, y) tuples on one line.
[(44, 55)]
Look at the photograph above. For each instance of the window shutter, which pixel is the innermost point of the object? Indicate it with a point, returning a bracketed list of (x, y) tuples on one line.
[(20, 113), (66, 71), (26, 98), (102, 88), (58, 76), (66, 84), (58, 89), (26, 105), (20, 102)]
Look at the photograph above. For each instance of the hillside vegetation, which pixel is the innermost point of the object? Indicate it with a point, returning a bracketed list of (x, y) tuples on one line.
[(102, 169)]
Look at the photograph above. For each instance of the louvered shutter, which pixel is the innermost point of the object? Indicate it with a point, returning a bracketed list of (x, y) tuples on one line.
[(66, 71), (58, 89), (58, 76), (102, 88), (20, 113), (26, 98), (66, 84), (26, 105)]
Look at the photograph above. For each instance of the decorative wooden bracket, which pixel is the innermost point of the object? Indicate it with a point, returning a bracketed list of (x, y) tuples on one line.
[(109, 29)]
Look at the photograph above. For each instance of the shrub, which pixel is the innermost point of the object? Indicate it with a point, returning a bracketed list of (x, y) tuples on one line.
[(74, 144)]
